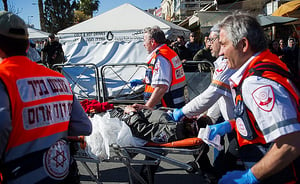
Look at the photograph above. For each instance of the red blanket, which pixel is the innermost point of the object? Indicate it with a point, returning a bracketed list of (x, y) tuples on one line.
[(94, 106)]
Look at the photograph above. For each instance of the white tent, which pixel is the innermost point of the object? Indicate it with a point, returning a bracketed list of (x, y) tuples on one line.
[(115, 36), (36, 34)]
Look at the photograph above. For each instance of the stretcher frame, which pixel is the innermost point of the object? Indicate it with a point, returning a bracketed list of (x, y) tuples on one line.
[(126, 155), (158, 153)]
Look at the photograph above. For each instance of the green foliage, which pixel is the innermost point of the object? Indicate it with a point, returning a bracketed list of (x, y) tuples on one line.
[(88, 6), (58, 14)]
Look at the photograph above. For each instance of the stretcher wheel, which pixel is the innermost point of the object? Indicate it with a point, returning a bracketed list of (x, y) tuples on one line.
[(195, 167)]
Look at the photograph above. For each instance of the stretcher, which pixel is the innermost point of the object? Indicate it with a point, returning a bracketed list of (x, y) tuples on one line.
[(127, 155), (157, 152)]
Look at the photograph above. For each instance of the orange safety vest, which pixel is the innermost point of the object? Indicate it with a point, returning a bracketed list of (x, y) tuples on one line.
[(175, 98), (41, 101), (254, 135)]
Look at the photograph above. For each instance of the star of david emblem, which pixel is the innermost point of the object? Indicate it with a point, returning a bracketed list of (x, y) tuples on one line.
[(59, 158)]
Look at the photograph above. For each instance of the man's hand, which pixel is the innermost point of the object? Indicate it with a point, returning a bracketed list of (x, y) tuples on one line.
[(239, 177), (136, 82), (219, 129), (129, 108), (177, 114)]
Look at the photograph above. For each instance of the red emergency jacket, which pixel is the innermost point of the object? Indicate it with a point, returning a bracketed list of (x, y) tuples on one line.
[(271, 67), (254, 135), (175, 98), (41, 102)]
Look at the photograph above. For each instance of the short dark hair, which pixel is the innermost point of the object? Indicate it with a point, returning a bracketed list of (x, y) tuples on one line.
[(52, 36), (13, 47)]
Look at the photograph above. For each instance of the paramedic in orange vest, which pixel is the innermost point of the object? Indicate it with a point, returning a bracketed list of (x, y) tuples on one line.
[(37, 110), (266, 113), (165, 78)]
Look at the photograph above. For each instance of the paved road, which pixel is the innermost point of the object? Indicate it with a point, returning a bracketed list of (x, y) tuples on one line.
[(112, 173)]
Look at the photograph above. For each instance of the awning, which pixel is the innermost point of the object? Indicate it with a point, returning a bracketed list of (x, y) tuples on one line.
[(210, 18), (287, 8), (36, 34), (266, 20)]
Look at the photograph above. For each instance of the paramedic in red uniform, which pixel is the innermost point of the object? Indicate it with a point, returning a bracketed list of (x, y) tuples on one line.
[(266, 106), (37, 110), (164, 79)]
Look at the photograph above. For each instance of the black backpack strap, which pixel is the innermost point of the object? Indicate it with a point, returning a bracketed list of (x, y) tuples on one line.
[(260, 67)]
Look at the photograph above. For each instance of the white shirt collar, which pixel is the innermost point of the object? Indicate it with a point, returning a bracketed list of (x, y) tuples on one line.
[(236, 78)]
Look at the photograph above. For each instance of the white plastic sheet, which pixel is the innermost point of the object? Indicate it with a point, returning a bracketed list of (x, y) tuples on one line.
[(107, 131)]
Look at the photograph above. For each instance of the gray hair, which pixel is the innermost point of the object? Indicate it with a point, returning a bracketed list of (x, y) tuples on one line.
[(156, 33), (239, 25), (216, 29)]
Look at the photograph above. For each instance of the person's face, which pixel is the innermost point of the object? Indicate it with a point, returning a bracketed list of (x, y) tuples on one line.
[(291, 43), (275, 45), (192, 37), (231, 53), (214, 44), (148, 43), (281, 43), (180, 40), (51, 39)]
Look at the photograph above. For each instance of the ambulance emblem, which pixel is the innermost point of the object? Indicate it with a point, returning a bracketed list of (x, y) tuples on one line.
[(264, 97), (56, 160)]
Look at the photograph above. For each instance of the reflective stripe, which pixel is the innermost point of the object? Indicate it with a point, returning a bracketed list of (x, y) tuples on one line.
[(220, 85), (39, 144), (178, 100), (278, 125), (177, 86), (162, 80)]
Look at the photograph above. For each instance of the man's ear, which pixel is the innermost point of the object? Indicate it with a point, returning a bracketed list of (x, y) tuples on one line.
[(245, 44), (152, 41)]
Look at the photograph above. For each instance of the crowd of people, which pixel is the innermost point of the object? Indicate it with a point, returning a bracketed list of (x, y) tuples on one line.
[(252, 90), (288, 53), (47, 52), (194, 49)]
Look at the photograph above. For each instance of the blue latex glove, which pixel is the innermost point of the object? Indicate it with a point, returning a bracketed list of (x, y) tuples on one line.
[(136, 82), (239, 177), (219, 129), (177, 114)]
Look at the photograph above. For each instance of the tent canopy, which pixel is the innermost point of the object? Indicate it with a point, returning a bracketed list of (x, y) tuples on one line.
[(36, 34), (114, 36), (123, 18)]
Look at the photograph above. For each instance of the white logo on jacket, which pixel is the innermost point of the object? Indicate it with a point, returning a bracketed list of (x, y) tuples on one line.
[(264, 97), (241, 127)]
